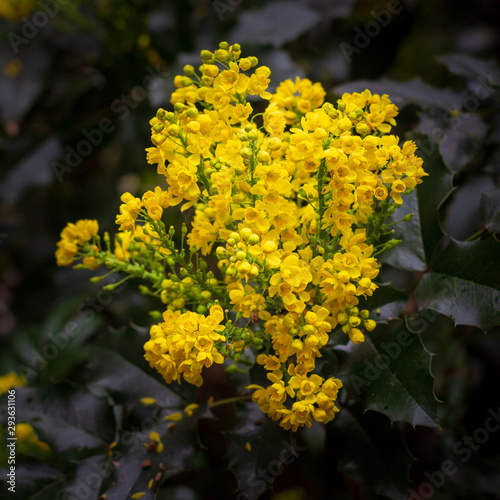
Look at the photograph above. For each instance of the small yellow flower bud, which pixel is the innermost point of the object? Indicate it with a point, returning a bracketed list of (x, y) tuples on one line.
[(274, 144), (211, 70), (269, 246), (362, 128), (173, 130), (369, 325), (354, 321), (263, 157), (254, 239), (206, 55), (192, 112), (342, 318), (246, 153), (222, 55), (245, 233), (160, 114), (188, 70), (253, 135), (245, 64), (364, 313), (235, 237), (356, 336)]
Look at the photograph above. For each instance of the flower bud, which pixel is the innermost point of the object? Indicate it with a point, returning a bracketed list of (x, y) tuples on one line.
[(173, 130), (263, 157), (246, 153)]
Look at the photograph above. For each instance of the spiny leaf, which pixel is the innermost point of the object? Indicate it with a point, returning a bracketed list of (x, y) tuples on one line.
[(256, 450), (276, 23), (390, 373), (422, 234), (141, 461), (464, 283), (370, 451)]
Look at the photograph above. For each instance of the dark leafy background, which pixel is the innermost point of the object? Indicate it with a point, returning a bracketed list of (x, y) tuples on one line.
[(438, 337)]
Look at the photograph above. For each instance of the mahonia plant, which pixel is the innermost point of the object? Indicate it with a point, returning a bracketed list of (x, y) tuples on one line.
[(291, 201)]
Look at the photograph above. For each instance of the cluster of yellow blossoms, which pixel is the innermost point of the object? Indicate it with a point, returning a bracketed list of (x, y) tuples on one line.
[(293, 199)]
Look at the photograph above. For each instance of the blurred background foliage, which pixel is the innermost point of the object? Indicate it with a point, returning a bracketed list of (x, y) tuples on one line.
[(95, 71)]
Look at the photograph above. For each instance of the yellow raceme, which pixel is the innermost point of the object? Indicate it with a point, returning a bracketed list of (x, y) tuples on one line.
[(291, 202)]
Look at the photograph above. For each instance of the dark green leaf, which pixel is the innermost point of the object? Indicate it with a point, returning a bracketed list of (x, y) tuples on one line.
[(471, 67), (464, 284), (370, 451), (65, 417), (20, 92), (459, 138), (86, 480), (421, 235), (275, 24), (409, 254), (489, 207), (136, 466), (256, 450), (33, 170), (386, 303), (415, 91), (34, 481), (390, 373), (431, 193), (126, 382)]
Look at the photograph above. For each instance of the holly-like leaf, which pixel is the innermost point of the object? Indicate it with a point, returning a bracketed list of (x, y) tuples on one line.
[(256, 450), (464, 283), (415, 91), (87, 478), (275, 24), (370, 451), (390, 373), (141, 462), (409, 254), (422, 234), (386, 303), (459, 138), (125, 381), (489, 208), (64, 417), (483, 71)]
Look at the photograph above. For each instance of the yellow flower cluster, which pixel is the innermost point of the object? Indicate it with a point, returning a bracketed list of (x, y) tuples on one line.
[(74, 236), (185, 343), (292, 203)]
